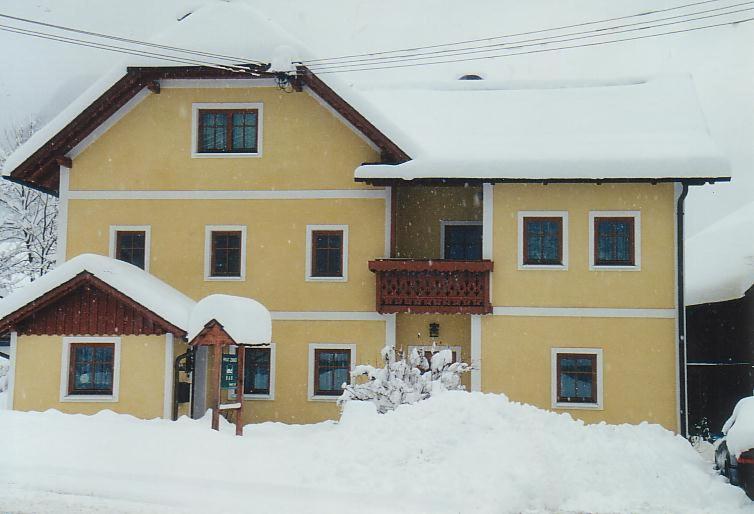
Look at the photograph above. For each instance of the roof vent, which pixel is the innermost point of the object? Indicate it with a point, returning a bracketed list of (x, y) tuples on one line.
[(470, 77)]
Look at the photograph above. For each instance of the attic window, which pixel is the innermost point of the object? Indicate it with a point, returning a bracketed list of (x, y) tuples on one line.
[(227, 130)]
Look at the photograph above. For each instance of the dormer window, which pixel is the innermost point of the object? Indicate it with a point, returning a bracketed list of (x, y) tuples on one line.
[(227, 130)]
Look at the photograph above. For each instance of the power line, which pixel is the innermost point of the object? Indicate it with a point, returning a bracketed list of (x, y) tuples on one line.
[(539, 41), (132, 41), (492, 38), (118, 49), (487, 57)]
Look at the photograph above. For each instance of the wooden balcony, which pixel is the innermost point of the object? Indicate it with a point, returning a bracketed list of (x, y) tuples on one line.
[(432, 286)]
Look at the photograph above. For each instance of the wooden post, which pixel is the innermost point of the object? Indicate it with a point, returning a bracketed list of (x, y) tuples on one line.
[(241, 354), (215, 374)]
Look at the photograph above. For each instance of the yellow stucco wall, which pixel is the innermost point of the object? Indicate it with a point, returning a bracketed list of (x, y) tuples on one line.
[(638, 363), (142, 365), (652, 287), (304, 146), (420, 210)]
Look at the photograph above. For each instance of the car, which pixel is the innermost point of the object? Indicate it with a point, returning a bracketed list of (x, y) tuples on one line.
[(734, 448)]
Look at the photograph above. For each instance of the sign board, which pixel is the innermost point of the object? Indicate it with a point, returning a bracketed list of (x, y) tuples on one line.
[(229, 372)]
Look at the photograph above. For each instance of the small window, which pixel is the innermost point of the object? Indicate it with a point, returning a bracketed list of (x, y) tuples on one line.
[(462, 241), (614, 241), (332, 368), (327, 253), (91, 369), (577, 378), (228, 131), (130, 247), (226, 253), (543, 241), (256, 379)]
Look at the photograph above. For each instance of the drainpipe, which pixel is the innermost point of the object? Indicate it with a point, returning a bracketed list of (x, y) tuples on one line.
[(683, 393)]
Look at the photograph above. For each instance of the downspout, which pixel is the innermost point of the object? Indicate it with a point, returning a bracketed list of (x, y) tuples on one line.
[(683, 392)]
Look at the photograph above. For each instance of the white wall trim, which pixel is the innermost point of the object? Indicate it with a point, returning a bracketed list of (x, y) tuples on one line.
[(388, 221), (65, 362), (307, 194), (270, 396), (308, 257), (328, 316), (326, 346), (487, 220), (167, 399), (476, 352), (390, 329), (563, 215), (216, 83), (340, 118), (584, 312), (452, 223), (147, 229), (13, 354), (195, 107), (63, 195), (208, 229), (554, 379), (637, 239), (108, 123)]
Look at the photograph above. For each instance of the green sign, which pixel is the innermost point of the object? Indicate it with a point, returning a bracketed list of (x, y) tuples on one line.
[(229, 372)]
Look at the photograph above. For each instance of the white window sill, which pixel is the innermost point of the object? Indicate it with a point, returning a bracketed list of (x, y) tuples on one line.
[(326, 279), (228, 155), (322, 398), (543, 267), (614, 268), (258, 397), (85, 398), (224, 279), (578, 406)]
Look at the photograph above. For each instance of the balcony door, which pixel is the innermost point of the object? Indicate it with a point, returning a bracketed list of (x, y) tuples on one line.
[(462, 240)]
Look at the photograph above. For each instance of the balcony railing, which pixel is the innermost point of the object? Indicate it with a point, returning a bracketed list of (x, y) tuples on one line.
[(432, 286)]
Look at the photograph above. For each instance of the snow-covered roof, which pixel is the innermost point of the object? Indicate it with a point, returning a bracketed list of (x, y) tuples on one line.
[(642, 128), (142, 287), (720, 259), (243, 319)]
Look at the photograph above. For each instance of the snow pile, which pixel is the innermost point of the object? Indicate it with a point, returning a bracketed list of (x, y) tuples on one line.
[(739, 429), (454, 453), (720, 262), (245, 320)]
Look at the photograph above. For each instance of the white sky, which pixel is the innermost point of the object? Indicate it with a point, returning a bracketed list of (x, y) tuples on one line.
[(38, 77)]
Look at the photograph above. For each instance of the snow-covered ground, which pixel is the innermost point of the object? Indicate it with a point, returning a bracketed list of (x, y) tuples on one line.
[(456, 452)]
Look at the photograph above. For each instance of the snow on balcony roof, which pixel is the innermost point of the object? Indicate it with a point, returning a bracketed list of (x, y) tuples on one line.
[(142, 287), (642, 128), (243, 319), (720, 259)]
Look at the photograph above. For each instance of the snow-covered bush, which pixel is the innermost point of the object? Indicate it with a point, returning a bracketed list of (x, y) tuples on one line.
[(405, 378), (4, 369)]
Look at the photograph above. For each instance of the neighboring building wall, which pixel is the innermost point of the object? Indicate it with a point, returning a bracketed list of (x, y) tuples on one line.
[(142, 369)]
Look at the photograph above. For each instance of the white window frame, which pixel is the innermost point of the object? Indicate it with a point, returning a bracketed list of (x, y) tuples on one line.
[(563, 266), (313, 228), (554, 379), (64, 370), (196, 107), (446, 223), (636, 215), (208, 229), (326, 346), (147, 229)]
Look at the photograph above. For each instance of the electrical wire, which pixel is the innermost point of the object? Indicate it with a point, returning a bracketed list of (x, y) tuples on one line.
[(584, 45), (492, 38), (539, 41)]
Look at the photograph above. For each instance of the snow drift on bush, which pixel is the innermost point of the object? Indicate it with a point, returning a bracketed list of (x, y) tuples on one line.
[(455, 452)]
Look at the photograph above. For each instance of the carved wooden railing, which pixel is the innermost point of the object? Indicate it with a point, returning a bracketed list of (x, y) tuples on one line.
[(432, 286)]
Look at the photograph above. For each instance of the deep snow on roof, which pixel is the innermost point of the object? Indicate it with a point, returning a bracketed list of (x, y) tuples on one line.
[(245, 320), (142, 287), (720, 259), (641, 128)]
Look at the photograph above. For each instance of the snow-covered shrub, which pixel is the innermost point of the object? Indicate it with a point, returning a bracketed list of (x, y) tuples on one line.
[(4, 369), (405, 378)]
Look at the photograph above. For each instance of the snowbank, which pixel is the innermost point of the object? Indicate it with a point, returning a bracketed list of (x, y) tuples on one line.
[(456, 452), (739, 429), (245, 320)]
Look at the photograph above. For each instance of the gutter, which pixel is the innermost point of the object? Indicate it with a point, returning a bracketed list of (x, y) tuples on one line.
[(682, 382)]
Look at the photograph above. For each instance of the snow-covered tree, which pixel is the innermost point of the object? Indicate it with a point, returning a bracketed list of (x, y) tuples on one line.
[(28, 230), (405, 378)]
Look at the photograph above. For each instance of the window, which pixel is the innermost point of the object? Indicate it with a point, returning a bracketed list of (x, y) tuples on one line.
[(257, 378), (461, 240), (90, 369), (330, 367), (130, 243), (225, 252), (577, 378), (327, 253), (543, 240), (227, 129), (614, 240)]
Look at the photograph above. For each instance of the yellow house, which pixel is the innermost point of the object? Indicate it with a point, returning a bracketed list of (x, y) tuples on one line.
[(535, 232)]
